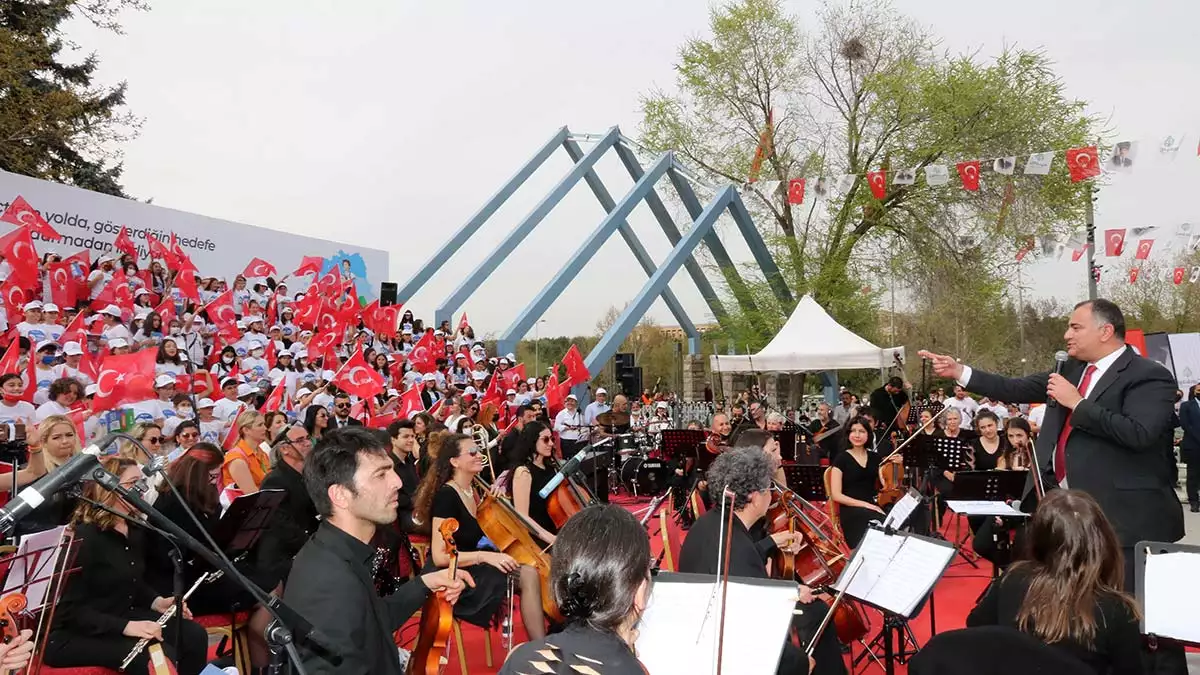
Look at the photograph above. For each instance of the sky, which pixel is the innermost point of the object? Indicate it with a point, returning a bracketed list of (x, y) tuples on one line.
[(388, 124)]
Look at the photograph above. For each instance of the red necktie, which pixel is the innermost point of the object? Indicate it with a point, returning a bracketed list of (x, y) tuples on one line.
[(1060, 450)]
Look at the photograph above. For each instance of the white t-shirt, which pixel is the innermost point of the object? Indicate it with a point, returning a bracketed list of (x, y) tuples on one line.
[(47, 409), (226, 409), (967, 407), (211, 432), (118, 331), (149, 410), (255, 369), (36, 332), (54, 330), (68, 371), (21, 411), (170, 369)]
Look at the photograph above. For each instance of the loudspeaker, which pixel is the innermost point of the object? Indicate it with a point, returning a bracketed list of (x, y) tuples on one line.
[(387, 293)]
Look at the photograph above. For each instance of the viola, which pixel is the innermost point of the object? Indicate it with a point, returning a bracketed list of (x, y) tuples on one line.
[(512, 534), (821, 559), (429, 656)]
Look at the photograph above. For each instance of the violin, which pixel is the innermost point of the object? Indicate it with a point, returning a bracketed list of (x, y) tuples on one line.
[(429, 656), (513, 535), (821, 559), (11, 605)]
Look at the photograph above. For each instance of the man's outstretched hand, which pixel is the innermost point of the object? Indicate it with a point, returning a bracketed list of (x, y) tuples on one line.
[(943, 366)]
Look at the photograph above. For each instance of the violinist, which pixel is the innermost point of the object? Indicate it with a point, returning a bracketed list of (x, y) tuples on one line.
[(823, 423), (888, 402), (746, 472), (354, 487), (1018, 456), (535, 466), (853, 481), (447, 492), (989, 447), (600, 575)]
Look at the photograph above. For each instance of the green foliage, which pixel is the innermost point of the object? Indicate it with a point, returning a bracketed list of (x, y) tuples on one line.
[(867, 90), (55, 123), (1155, 303)]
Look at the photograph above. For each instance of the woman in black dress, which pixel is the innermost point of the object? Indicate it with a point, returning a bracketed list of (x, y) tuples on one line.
[(1068, 592), (600, 575), (853, 481), (447, 491), (990, 446), (535, 467), (107, 606)]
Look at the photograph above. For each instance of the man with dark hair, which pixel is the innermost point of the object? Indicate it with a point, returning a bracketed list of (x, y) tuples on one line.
[(341, 412), (1108, 427), (508, 445), (745, 471), (888, 401), (296, 518), (352, 482), (404, 445)]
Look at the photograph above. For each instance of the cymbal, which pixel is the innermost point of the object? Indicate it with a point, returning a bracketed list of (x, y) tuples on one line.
[(612, 419)]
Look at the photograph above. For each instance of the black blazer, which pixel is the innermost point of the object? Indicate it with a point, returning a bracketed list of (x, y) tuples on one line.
[(1189, 419), (331, 586), (1120, 448)]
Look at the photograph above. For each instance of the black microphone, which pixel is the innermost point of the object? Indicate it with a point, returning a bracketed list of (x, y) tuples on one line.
[(78, 467), (571, 466), (1060, 362)]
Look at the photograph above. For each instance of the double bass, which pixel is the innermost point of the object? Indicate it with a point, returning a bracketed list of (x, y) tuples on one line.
[(821, 559), (429, 656)]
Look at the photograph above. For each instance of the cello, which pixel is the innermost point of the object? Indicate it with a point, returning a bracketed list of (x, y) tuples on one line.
[(569, 498), (512, 534), (437, 618)]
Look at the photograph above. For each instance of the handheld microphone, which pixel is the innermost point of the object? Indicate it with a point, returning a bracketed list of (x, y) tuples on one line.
[(78, 467), (1060, 362), (571, 466)]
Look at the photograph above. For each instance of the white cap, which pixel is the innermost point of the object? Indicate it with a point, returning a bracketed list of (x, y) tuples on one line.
[(46, 343), (392, 393), (140, 292), (438, 333), (91, 390), (504, 360), (511, 357), (299, 352), (32, 305), (470, 391), (117, 342), (327, 375), (276, 327), (302, 392), (254, 318), (105, 258), (460, 355), (72, 349), (241, 324), (572, 397), (204, 403), (531, 381), (170, 425), (164, 380), (284, 352), (112, 310), (256, 344), (245, 390), (429, 377), (661, 405), (50, 307), (479, 375), (305, 332), (406, 331), (602, 390), (511, 392)]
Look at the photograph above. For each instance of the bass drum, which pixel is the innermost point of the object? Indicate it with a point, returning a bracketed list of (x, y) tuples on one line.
[(644, 477)]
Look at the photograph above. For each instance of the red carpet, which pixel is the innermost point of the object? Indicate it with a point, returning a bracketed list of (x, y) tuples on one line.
[(953, 599)]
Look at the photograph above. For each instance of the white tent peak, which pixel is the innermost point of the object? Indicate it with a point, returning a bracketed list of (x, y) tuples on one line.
[(810, 341)]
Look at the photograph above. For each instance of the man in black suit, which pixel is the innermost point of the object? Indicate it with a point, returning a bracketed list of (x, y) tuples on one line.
[(352, 482), (1111, 440), (1189, 447), (341, 412)]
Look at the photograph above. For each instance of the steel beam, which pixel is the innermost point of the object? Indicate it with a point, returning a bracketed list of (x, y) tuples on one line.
[(443, 254), (762, 255), (616, 334), (480, 274), (616, 219)]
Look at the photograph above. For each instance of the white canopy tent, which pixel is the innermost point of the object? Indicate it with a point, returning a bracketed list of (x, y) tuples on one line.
[(810, 341)]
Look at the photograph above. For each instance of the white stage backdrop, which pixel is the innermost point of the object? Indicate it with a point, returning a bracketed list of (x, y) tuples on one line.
[(1185, 352), (221, 248)]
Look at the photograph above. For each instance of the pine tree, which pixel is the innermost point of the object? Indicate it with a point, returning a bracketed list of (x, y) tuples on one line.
[(55, 123)]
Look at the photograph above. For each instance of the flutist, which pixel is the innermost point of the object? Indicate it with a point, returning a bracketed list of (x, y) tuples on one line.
[(107, 606)]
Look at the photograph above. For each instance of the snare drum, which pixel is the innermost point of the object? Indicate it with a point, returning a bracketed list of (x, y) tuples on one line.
[(642, 476)]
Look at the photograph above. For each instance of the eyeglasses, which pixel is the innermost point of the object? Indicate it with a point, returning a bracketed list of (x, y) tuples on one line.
[(187, 434), (546, 439), (473, 451), (303, 440), (155, 440)]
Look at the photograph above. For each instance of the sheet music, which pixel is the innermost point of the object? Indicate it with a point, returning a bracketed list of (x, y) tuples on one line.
[(983, 508), (34, 564), (897, 572), (678, 632), (1171, 595), (900, 512)]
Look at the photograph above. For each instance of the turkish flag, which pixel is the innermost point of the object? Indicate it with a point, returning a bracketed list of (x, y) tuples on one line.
[(75, 331), (88, 366), (330, 283), (410, 403), (424, 354), (796, 191), (270, 352), (259, 268), (220, 310), (204, 384), (183, 383), (515, 375), (322, 345), (121, 292), (276, 399), (124, 243), (157, 249), (1133, 274), (969, 173), (185, 281), (62, 286), (1083, 163), (878, 182), (20, 253), (233, 435), (124, 379), (554, 396), (577, 371), (1114, 243), (1180, 272), (15, 296), (1078, 253), (462, 322), (309, 264), (308, 310), (20, 213), (166, 310), (11, 362), (1143, 249)]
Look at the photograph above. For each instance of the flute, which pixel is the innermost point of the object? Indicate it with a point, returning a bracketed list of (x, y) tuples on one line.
[(166, 616)]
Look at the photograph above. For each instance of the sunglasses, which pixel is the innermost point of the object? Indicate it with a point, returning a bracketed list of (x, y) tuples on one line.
[(546, 439), (341, 405), (473, 451), (188, 434), (153, 440)]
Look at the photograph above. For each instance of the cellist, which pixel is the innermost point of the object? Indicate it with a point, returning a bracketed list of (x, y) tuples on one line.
[(533, 466), (746, 472), (890, 403)]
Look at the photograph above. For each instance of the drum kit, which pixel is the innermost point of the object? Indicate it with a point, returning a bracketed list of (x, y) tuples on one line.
[(639, 469)]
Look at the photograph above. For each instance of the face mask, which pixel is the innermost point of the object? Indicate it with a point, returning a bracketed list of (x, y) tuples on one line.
[(257, 353), (48, 360), (227, 359), (11, 398), (186, 413), (176, 330)]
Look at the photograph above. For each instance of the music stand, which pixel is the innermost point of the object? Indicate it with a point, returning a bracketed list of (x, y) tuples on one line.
[(1164, 584), (39, 574), (989, 486), (677, 443), (246, 519), (806, 480), (787, 443)]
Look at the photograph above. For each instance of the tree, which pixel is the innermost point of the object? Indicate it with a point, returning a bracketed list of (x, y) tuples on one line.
[(1155, 303), (867, 91), (55, 123)]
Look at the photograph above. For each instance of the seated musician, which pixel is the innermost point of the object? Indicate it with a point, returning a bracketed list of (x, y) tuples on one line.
[(1068, 593), (535, 466), (447, 491), (106, 605), (600, 576), (1019, 446), (746, 471), (853, 481), (951, 428), (502, 460), (296, 518), (770, 445), (822, 424), (888, 402), (993, 541), (195, 475), (926, 424), (989, 447)]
